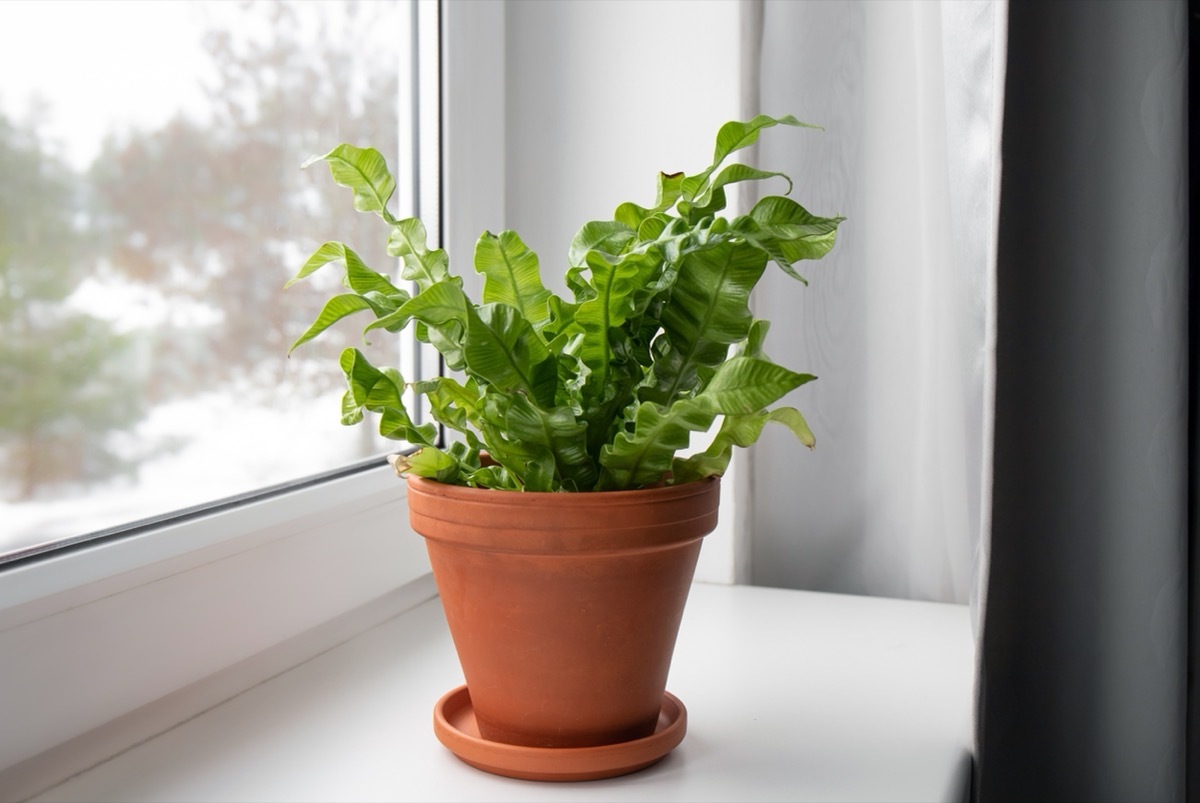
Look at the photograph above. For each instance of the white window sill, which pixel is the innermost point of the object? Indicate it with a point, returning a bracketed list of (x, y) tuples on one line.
[(791, 695)]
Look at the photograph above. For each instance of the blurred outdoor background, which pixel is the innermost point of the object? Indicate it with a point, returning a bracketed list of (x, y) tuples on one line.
[(152, 207)]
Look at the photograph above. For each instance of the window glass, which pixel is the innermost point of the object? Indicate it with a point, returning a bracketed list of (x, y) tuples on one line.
[(152, 207)]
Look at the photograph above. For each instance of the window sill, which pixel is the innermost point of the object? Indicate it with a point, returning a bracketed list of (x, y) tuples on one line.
[(791, 695), (89, 637)]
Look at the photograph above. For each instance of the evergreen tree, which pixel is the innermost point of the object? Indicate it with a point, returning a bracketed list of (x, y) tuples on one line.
[(65, 381)]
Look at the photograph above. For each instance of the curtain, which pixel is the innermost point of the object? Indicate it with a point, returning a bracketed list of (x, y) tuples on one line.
[(897, 321), (1002, 341), (1084, 651)]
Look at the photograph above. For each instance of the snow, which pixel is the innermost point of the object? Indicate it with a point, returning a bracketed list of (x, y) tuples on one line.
[(238, 449)]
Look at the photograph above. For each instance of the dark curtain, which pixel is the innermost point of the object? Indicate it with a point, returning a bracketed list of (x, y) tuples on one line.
[(1084, 650)]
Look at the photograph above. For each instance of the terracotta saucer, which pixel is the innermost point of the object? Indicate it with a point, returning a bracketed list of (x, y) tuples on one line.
[(454, 724)]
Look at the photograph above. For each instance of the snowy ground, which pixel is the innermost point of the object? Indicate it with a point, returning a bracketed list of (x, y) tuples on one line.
[(232, 449)]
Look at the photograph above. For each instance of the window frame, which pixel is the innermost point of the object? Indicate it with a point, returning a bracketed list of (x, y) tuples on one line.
[(105, 627), (418, 145)]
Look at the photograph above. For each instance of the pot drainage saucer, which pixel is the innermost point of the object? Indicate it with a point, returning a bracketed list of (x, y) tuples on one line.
[(454, 724)]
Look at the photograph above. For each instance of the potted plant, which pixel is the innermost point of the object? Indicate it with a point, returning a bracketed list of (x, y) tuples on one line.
[(562, 521)]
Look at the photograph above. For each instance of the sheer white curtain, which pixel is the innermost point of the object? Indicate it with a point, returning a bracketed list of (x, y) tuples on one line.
[(898, 321)]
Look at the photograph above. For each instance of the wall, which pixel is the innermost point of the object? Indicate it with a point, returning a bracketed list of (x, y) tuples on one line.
[(601, 96)]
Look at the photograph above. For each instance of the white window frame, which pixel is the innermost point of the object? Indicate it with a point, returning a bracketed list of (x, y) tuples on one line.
[(96, 633)]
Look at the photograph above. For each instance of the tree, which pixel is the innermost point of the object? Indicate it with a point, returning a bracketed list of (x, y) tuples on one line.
[(217, 212), (65, 378), (213, 214)]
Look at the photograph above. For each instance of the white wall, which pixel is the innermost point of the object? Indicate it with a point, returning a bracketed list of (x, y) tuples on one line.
[(601, 96)]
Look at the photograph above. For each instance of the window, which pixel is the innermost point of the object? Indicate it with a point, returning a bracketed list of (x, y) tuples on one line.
[(95, 632), (151, 209)]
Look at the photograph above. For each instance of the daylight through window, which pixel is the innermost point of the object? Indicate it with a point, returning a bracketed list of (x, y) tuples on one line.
[(152, 207)]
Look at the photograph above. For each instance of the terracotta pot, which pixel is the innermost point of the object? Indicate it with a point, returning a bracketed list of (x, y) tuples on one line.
[(564, 607)]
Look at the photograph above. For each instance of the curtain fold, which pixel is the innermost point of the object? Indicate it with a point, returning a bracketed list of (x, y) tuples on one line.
[(897, 320), (1082, 690), (1192, 747)]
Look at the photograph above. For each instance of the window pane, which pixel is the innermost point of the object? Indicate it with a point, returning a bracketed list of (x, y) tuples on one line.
[(152, 207)]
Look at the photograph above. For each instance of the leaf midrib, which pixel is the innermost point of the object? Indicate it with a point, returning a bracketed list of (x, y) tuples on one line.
[(512, 277), (666, 419), (708, 313), (526, 380), (420, 257), (366, 180)]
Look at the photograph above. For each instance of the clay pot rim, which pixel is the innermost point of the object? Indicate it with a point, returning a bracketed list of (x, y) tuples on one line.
[(496, 496), (567, 523)]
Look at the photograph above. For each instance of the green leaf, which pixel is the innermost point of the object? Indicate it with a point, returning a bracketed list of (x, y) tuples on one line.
[(455, 405), (738, 430), (708, 311), (429, 462), (511, 276), (328, 252), (753, 346), (791, 418), (443, 307), (669, 189), (530, 462), (734, 135), (439, 306), (644, 457), (602, 407), (577, 283), (361, 377), (502, 350), (607, 236), (603, 357), (652, 228), (563, 436), (562, 315), (375, 291), (363, 280), (788, 232), (492, 476), (615, 280), (360, 278), (740, 386), (395, 424), (407, 241), (732, 174), (334, 310), (365, 172), (388, 391), (744, 385), (735, 430), (379, 391), (702, 217)]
